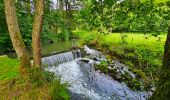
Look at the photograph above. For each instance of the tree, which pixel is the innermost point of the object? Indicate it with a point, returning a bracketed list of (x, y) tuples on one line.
[(163, 90), (15, 35), (29, 7), (36, 37)]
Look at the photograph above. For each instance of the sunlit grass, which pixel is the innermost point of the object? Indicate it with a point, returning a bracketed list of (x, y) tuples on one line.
[(133, 40), (9, 68)]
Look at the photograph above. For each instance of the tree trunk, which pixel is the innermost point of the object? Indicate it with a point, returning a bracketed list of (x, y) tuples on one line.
[(29, 7), (15, 35), (61, 5), (36, 35), (67, 5), (163, 89)]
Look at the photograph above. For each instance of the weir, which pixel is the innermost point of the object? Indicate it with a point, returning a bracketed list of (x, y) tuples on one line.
[(85, 83), (61, 58)]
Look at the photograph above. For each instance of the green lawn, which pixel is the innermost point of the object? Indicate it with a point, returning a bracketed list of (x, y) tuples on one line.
[(114, 39), (134, 39), (9, 68)]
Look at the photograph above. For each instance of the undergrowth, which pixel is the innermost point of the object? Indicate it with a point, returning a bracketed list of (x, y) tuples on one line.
[(39, 85)]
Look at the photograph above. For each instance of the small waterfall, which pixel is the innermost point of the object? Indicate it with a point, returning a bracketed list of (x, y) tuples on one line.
[(85, 83), (77, 54), (61, 58)]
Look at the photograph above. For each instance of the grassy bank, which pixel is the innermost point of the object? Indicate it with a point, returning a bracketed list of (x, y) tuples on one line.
[(142, 53), (9, 68), (15, 87)]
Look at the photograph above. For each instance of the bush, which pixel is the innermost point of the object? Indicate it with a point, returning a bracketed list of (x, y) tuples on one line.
[(5, 43), (59, 91), (65, 34)]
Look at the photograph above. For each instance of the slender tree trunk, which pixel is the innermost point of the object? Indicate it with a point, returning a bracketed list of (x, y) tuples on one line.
[(61, 5), (15, 35), (163, 89), (36, 35), (29, 7), (68, 9)]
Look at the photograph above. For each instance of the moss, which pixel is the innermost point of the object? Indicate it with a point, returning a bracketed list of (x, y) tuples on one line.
[(140, 73), (102, 67), (130, 64)]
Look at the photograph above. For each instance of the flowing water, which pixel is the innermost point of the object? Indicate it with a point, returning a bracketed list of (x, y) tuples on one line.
[(84, 82)]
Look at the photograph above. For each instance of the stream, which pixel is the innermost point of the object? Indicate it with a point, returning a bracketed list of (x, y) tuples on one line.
[(85, 83)]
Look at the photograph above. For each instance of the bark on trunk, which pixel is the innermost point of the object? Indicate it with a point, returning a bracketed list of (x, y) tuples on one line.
[(36, 35), (163, 89), (15, 35)]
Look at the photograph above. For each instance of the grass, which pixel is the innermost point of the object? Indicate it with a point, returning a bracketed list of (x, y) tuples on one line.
[(113, 41), (15, 87), (139, 51), (9, 68), (115, 38), (23, 89), (134, 38)]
